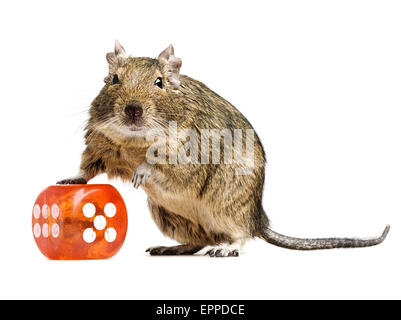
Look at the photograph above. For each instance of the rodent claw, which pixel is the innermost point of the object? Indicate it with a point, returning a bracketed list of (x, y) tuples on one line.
[(233, 253), (140, 177), (218, 253), (222, 252)]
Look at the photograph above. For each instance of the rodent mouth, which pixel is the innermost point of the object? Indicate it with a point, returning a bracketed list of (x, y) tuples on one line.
[(135, 128), (129, 131), (133, 125)]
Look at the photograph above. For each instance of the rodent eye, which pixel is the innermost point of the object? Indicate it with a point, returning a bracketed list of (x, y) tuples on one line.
[(159, 82), (115, 79)]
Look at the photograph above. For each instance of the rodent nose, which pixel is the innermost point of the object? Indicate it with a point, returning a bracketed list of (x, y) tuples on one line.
[(133, 111)]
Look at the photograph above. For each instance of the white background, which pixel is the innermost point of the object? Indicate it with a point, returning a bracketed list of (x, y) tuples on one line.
[(320, 82)]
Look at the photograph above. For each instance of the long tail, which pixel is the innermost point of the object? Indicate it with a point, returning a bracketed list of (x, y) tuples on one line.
[(323, 243)]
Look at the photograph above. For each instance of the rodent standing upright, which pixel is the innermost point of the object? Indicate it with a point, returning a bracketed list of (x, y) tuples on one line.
[(196, 204)]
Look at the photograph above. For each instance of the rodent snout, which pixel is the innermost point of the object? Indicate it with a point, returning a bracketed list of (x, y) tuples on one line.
[(133, 111)]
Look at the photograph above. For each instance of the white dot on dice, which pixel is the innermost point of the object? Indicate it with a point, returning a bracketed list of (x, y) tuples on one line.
[(89, 210), (55, 211), (99, 222), (45, 211), (110, 210), (89, 235), (45, 230), (36, 230), (36, 211), (110, 234), (55, 230)]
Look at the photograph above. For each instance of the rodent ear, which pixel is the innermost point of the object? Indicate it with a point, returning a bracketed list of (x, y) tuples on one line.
[(114, 57), (167, 53), (119, 52), (171, 66)]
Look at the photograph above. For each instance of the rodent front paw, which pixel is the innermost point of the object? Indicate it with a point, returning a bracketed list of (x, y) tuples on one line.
[(141, 174), (77, 180)]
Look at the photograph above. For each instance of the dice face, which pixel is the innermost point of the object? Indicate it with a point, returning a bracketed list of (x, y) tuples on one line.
[(75, 222)]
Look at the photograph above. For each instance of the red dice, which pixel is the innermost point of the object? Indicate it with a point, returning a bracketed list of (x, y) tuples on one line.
[(75, 222)]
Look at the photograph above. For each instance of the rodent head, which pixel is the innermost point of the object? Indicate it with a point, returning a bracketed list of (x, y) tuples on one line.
[(137, 95)]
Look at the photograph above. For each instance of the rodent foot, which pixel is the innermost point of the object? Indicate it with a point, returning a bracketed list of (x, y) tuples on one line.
[(223, 251), (77, 180), (184, 249), (141, 174)]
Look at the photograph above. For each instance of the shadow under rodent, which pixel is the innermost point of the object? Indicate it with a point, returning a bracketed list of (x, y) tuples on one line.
[(198, 205)]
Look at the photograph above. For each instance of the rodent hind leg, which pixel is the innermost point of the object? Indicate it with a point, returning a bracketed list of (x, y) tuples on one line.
[(182, 249), (191, 235)]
